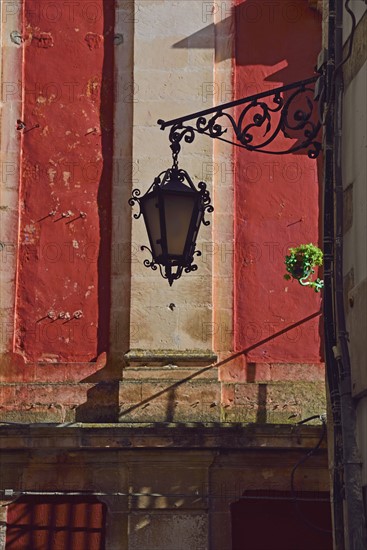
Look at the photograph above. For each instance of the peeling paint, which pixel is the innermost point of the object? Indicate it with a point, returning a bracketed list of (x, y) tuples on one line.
[(73, 145), (93, 88), (56, 256), (66, 177), (51, 174), (44, 40), (89, 291), (93, 40), (270, 192)]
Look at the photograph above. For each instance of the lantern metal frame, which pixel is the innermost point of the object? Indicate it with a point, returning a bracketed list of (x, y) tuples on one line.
[(171, 266)]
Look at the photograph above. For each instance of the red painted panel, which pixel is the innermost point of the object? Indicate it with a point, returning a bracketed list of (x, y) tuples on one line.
[(64, 257), (276, 196), (56, 523)]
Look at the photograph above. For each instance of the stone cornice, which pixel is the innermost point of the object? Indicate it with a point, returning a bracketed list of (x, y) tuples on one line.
[(112, 437)]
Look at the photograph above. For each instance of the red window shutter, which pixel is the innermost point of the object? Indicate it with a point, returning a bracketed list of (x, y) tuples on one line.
[(56, 523)]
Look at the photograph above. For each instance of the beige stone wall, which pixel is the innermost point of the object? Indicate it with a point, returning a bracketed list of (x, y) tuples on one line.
[(10, 111), (222, 250), (124, 172), (173, 64)]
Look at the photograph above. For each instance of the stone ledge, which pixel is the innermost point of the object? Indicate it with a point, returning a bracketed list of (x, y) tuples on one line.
[(167, 373), (169, 357), (158, 435)]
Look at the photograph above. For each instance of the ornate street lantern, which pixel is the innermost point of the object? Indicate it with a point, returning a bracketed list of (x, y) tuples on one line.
[(173, 210)]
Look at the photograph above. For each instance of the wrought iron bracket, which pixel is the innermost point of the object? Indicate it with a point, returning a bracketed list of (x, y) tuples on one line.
[(287, 111)]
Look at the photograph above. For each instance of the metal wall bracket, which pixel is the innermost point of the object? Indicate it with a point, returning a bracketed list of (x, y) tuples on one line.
[(288, 111)]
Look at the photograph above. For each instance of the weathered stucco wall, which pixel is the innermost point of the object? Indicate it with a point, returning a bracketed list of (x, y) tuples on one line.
[(65, 193), (165, 487), (276, 196), (141, 351), (166, 64)]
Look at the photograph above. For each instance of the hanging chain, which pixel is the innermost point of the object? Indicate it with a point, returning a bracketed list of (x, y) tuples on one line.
[(175, 146)]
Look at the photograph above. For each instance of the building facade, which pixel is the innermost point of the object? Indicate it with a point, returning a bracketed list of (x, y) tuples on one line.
[(355, 173), (349, 265), (134, 414)]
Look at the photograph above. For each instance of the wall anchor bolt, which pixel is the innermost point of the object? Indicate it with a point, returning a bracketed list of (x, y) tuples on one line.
[(16, 37), (92, 131), (82, 215), (21, 125)]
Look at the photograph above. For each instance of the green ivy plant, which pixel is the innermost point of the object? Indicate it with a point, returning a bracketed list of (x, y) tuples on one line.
[(300, 265)]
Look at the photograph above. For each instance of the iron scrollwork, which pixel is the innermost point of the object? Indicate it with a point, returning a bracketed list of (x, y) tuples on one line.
[(168, 272), (287, 111), (133, 199)]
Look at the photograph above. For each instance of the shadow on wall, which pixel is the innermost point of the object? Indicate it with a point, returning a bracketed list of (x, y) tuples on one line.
[(264, 40), (274, 36), (105, 185), (102, 403), (98, 393)]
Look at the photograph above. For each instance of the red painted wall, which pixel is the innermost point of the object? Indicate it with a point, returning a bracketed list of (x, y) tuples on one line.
[(276, 196), (64, 259)]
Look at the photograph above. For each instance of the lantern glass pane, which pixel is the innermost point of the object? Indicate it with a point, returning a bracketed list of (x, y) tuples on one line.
[(178, 214), (152, 221)]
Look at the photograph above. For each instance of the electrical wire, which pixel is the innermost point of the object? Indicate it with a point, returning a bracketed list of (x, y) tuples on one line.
[(318, 416), (340, 65), (196, 496)]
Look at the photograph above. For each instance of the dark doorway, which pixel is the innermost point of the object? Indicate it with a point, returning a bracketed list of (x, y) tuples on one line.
[(274, 521)]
